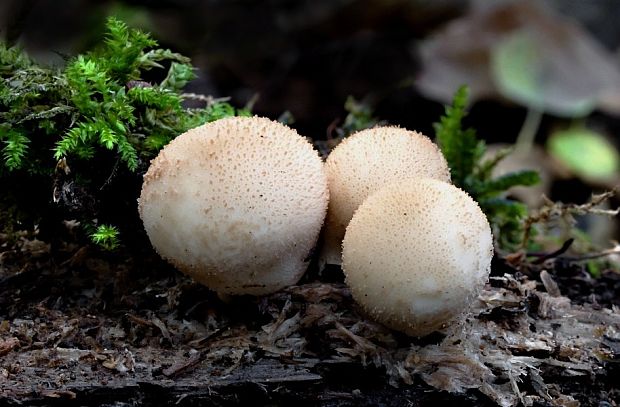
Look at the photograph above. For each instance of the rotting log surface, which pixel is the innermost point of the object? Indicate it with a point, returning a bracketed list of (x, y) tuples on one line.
[(88, 329)]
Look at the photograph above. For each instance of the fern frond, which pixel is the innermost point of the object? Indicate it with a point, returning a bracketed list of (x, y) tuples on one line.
[(118, 109), (464, 153), (505, 182), (156, 97), (123, 50), (89, 82), (461, 147), (82, 133), (128, 153), (14, 150), (108, 138), (484, 169)]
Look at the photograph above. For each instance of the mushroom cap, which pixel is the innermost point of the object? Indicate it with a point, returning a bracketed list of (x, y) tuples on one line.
[(416, 254), (237, 204), (364, 163)]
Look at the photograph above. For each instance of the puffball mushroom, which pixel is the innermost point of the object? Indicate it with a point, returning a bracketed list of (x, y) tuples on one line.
[(365, 162), (237, 204), (416, 254)]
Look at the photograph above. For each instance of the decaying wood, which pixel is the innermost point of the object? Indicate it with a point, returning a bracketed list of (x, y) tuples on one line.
[(95, 331)]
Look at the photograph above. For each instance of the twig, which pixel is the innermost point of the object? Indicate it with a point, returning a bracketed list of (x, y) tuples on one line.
[(553, 210), (208, 99), (604, 253), (250, 104), (139, 321), (542, 257), (331, 129), (183, 366)]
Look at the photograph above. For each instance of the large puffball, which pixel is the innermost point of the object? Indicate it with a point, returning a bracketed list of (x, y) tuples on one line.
[(365, 162), (237, 204), (416, 254)]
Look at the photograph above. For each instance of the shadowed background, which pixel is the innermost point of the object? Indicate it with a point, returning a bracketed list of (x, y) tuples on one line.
[(402, 58)]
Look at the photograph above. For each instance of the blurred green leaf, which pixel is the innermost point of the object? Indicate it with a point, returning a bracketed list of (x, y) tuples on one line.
[(524, 72), (595, 268), (587, 154), (515, 66)]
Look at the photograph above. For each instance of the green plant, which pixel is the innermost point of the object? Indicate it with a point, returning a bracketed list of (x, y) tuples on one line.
[(359, 117), (106, 236), (70, 131), (464, 153)]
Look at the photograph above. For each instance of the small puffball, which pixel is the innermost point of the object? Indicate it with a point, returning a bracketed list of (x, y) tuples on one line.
[(367, 161), (416, 254), (237, 204)]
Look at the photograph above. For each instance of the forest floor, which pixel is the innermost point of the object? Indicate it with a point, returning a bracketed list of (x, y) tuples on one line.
[(83, 327)]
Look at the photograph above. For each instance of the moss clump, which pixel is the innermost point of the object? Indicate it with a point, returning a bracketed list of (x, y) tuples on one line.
[(71, 136), (464, 153)]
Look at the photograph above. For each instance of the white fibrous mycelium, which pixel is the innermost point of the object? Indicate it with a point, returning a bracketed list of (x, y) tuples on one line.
[(237, 204)]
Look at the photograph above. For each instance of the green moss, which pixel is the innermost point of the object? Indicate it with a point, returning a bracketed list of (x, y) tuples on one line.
[(464, 153), (92, 115), (106, 236)]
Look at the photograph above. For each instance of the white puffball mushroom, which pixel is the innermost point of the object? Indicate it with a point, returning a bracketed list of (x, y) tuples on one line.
[(237, 204), (365, 162), (416, 254)]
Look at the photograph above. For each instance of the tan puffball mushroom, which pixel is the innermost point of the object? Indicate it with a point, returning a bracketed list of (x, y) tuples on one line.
[(367, 161), (416, 254), (237, 204)]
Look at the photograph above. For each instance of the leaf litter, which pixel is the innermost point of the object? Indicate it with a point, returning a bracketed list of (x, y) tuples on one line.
[(70, 326)]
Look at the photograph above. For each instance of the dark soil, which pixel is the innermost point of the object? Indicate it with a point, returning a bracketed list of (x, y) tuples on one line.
[(82, 327)]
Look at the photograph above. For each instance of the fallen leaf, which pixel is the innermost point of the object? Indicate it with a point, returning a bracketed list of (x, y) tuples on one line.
[(7, 345)]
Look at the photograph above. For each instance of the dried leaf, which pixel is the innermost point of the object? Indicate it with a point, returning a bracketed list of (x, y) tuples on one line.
[(7, 345), (550, 285)]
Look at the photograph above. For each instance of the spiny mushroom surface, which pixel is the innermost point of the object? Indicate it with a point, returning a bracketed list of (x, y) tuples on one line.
[(365, 162), (237, 204), (416, 254)]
